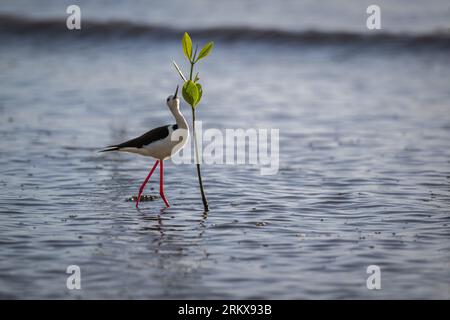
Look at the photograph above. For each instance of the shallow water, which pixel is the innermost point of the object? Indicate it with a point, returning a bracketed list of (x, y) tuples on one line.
[(363, 180)]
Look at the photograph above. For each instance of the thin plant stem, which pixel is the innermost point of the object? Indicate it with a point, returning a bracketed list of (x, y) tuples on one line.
[(193, 62), (202, 191), (192, 69)]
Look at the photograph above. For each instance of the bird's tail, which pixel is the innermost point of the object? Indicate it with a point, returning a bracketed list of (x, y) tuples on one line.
[(110, 148)]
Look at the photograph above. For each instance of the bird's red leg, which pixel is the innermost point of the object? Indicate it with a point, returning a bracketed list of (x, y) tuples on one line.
[(161, 183), (141, 189)]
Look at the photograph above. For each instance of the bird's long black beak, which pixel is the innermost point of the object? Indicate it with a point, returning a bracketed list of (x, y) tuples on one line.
[(176, 92)]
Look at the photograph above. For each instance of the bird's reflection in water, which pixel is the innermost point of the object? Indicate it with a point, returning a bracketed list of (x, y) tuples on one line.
[(158, 225), (179, 250)]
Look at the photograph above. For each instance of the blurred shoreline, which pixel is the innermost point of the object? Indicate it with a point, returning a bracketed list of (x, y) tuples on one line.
[(120, 30)]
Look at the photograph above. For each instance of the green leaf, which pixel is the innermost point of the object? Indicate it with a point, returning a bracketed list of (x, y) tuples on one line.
[(200, 92), (190, 93), (187, 45), (205, 50), (179, 71)]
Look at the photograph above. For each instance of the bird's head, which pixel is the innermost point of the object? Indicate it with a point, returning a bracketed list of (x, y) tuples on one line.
[(173, 101)]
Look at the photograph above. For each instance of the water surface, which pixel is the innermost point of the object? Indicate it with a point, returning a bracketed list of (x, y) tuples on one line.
[(364, 161)]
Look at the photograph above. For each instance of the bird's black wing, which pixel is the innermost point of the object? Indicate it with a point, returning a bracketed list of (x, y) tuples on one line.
[(146, 139)]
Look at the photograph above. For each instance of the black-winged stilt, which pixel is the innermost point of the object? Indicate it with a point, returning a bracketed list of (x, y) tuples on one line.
[(159, 144)]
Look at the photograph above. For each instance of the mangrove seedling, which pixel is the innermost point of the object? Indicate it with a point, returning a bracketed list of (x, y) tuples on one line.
[(192, 93)]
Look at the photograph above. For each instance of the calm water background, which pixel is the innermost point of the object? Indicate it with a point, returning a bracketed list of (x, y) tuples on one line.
[(364, 152)]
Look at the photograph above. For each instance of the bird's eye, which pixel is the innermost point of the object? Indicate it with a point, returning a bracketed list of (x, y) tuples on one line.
[(168, 99)]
